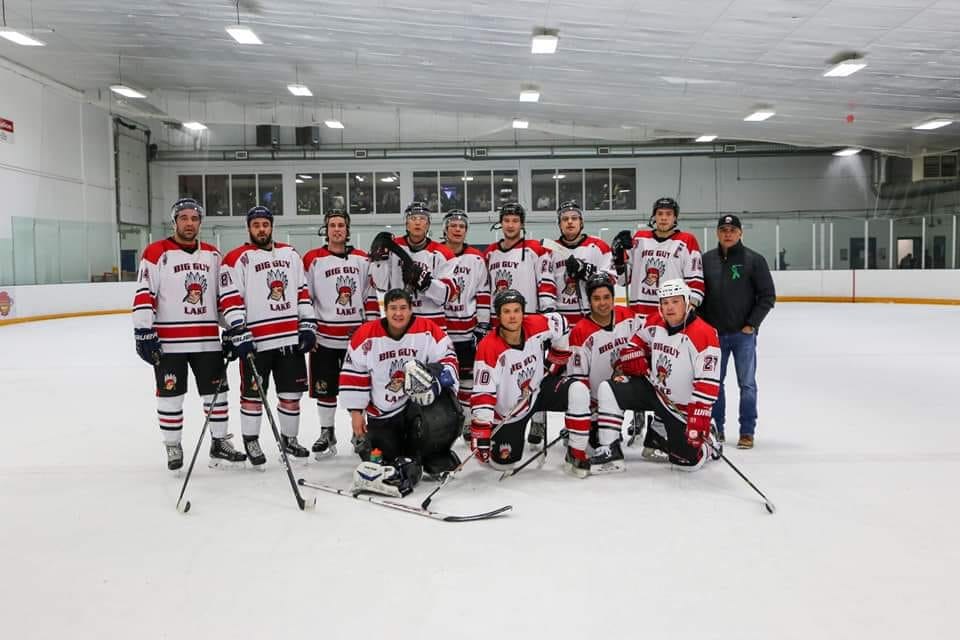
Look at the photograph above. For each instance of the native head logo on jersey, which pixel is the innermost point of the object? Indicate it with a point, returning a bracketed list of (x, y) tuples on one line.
[(196, 286), (6, 303), (461, 282), (345, 289), (524, 381), (395, 384), (654, 270), (663, 370), (501, 280), (571, 286), (277, 282)]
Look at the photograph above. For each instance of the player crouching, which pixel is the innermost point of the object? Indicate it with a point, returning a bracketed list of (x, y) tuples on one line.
[(670, 367), (399, 383)]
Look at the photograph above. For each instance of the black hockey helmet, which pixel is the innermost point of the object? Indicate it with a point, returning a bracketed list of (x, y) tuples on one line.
[(598, 280), (665, 203), (259, 212), (569, 206), (454, 214), (334, 213), (397, 294), (507, 296), (513, 209), (183, 204), (417, 208)]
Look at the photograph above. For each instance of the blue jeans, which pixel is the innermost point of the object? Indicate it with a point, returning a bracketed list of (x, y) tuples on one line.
[(743, 346)]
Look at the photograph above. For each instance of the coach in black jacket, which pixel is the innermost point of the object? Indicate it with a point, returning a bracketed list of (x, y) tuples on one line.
[(739, 295)]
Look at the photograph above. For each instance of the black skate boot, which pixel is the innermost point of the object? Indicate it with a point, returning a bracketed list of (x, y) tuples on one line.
[(254, 453), (577, 466), (293, 448), (607, 459), (538, 431), (222, 453), (174, 456), (326, 444)]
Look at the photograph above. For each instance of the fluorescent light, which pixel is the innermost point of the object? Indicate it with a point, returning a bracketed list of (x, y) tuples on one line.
[(844, 69), (544, 43), (849, 151), (126, 91), (387, 179), (706, 138), (466, 178), (520, 124), (299, 90), (760, 115), (359, 178), (299, 181), (529, 95), (20, 38), (936, 123), (195, 126), (333, 124), (559, 176), (305, 176), (623, 191), (243, 35), (508, 179)]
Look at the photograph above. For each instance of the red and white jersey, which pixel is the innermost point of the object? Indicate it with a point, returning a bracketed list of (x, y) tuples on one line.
[(343, 295), (472, 300), (684, 362), (267, 292), (651, 261), (372, 375), (505, 377), (572, 299), (595, 349), (435, 258), (177, 296), (527, 267)]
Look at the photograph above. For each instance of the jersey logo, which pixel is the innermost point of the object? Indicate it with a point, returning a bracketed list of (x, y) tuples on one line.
[(395, 384), (169, 382), (6, 303), (501, 280), (277, 282), (345, 288), (365, 347), (571, 286), (664, 367), (524, 379), (505, 451), (461, 284), (196, 286), (654, 270)]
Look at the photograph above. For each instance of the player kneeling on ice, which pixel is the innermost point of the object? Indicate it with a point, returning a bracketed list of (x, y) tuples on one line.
[(670, 367), (510, 384), (399, 383)]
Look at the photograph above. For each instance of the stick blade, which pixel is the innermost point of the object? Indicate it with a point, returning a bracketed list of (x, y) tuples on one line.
[(183, 507)]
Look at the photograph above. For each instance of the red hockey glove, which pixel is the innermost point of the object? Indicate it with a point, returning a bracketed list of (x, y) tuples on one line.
[(480, 440), (698, 424), (633, 362)]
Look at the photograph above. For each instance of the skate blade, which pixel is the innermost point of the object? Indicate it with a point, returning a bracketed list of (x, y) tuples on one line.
[(575, 471), (328, 453), (219, 463), (616, 466), (259, 468), (654, 455), (296, 462)]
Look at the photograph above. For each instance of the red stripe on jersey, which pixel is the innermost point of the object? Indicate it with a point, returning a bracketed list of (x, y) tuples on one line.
[(274, 328), (372, 306), (188, 331), (336, 330), (145, 298), (230, 301), (303, 295), (483, 400), (353, 380), (458, 324), (707, 388)]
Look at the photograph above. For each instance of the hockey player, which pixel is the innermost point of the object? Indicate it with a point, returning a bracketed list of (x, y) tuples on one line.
[(671, 366), (595, 344), (588, 255), (524, 266), (468, 313), (175, 325), (511, 383), (399, 382), (429, 275), (343, 298), (264, 299)]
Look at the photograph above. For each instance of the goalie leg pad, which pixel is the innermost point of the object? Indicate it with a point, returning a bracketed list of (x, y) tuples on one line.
[(396, 480)]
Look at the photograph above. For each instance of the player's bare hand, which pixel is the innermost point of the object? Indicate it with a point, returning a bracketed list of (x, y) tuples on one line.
[(358, 423)]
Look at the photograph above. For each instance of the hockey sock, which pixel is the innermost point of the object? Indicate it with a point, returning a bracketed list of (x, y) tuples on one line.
[(170, 417), (250, 413), (288, 413), (463, 395), (577, 418), (219, 415), (609, 415), (327, 410)]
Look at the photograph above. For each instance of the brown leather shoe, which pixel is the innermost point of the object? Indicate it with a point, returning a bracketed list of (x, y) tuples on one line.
[(745, 442)]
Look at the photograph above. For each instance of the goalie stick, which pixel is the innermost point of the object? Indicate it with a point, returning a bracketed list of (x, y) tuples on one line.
[(408, 508)]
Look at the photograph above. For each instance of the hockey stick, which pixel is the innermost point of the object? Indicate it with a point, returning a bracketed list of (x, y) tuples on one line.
[(534, 457), (771, 508), (184, 507), (301, 503), (384, 240)]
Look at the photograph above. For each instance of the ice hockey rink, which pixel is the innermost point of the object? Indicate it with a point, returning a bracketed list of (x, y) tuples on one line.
[(856, 445)]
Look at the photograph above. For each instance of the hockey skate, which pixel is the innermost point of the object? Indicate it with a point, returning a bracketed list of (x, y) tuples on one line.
[(538, 431), (577, 467), (607, 459), (254, 453), (326, 444), (652, 454), (293, 448), (641, 421), (717, 450), (174, 456), (223, 455)]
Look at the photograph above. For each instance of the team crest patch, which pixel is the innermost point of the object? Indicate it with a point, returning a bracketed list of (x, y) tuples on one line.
[(654, 270), (501, 280), (365, 347), (345, 288), (169, 382), (6, 304), (196, 286), (505, 451), (663, 369), (321, 386), (277, 282), (395, 385)]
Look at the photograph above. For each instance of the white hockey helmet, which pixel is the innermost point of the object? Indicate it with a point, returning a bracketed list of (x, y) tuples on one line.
[(673, 288)]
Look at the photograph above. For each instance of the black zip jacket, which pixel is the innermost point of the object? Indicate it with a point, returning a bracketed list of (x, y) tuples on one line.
[(740, 289)]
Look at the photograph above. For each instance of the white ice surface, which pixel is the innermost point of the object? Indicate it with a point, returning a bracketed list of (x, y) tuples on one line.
[(857, 444)]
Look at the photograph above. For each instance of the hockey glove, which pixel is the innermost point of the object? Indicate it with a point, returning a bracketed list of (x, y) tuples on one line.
[(238, 343), (579, 269), (307, 337), (416, 276), (482, 329), (148, 346), (698, 424), (378, 248), (621, 245), (633, 362), (480, 440)]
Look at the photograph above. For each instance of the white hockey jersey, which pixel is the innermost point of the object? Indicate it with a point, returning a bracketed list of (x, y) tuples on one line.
[(177, 296), (651, 261), (527, 267), (471, 303), (572, 299), (435, 258), (266, 291), (595, 349), (372, 376), (684, 363), (506, 377), (342, 293)]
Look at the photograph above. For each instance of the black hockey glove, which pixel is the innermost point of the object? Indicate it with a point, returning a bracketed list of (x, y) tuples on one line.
[(621, 245), (148, 346), (579, 269), (416, 276), (238, 343), (307, 337), (482, 329), (379, 247)]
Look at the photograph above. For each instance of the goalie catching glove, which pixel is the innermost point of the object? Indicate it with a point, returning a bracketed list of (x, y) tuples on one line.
[(423, 382)]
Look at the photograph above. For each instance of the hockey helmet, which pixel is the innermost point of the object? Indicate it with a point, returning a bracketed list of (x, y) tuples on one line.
[(334, 213), (569, 206), (665, 203), (455, 214), (513, 209), (417, 209), (507, 296), (184, 204), (259, 212), (672, 288), (597, 281)]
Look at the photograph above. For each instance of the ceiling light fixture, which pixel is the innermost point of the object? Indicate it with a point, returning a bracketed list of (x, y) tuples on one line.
[(22, 39), (849, 151), (305, 176), (935, 123), (333, 124), (544, 41), (559, 176), (760, 114), (242, 34), (845, 63), (299, 181), (193, 125), (706, 138), (520, 124), (300, 90), (127, 92), (530, 93)]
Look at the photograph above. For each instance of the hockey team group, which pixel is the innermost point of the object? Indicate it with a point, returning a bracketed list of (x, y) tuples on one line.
[(468, 343)]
